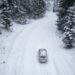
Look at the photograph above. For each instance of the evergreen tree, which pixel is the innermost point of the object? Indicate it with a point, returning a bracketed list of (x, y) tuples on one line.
[(69, 27), (38, 8), (28, 9), (5, 14), (69, 37), (63, 7), (66, 21), (21, 10)]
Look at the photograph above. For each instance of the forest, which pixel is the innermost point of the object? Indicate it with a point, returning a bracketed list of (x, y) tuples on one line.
[(66, 22), (20, 11)]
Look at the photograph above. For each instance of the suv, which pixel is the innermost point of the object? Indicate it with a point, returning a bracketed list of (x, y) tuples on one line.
[(42, 54)]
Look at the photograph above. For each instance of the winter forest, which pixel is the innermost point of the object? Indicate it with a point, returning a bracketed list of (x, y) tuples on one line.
[(21, 11), (26, 26)]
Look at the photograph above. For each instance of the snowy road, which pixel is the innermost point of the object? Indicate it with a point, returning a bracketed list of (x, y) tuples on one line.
[(23, 59)]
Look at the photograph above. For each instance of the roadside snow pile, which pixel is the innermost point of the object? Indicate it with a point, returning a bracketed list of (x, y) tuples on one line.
[(8, 35), (6, 40), (3, 37)]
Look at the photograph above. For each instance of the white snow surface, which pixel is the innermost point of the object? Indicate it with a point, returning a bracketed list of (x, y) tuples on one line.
[(22, 58)]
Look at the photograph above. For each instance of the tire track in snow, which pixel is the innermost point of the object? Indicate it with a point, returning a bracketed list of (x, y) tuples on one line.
[(39, 68), (69, 61), (62, 65), (12, 54), (23, 60)]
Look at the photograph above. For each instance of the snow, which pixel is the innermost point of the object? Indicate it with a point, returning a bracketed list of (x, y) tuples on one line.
[(23, 45)]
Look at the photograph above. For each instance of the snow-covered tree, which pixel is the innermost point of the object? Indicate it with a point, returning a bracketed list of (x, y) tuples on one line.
[(63, 7), (21, 10), (65, 22), (5, 14), (38, 8), (48, 4), (69, 37), (24, 9), (69, 27)]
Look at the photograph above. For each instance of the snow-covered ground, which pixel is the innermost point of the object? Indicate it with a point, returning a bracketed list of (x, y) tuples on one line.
[(21, 47), (6, 41)]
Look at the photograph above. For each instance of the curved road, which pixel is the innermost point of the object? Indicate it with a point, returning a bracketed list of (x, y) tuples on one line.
[(23, 59)]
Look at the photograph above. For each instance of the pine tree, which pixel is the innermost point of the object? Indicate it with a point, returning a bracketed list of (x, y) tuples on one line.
[(6, 21), (65, 22), (39, 8), (16, 14), (21, 10), (63, 5), (28, 9), (68, 38), (5, 15), (69, 27)]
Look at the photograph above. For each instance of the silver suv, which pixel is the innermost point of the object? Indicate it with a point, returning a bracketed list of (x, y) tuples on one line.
[(42, 54)]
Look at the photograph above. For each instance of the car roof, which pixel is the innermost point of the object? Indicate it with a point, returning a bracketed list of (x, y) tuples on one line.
[(42, 52)]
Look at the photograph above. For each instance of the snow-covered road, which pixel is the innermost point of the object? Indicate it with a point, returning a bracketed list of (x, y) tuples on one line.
[(23, 59)]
